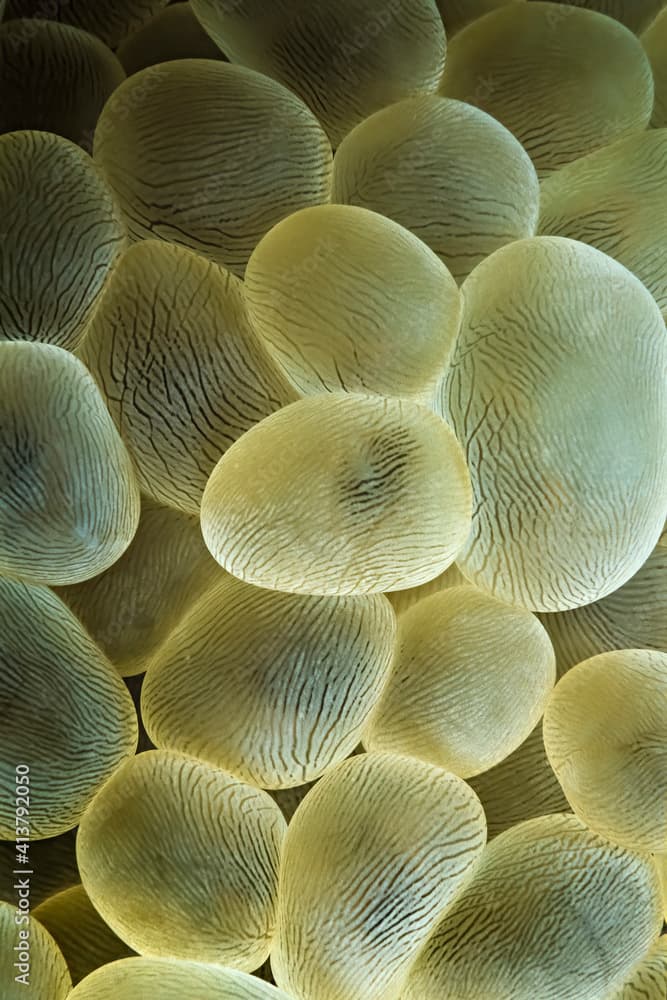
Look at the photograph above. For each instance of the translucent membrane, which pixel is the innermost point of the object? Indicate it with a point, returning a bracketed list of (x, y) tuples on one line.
[(37, 956), (167, 979), (69, 504), (183, 373), (376, 851), (648, 979), (344, 58), (213, 880), (446, 171), (558, 372), (210, 156), (456, 14), (522, 786), (564, 81), (347, 299), (79, 931), (61, 236), (402, 600), (654, 41), (614, 199), (110, 20), (66, 714), (53, 857), (605, 731), (174, 33), (634, 14), (522, 928), (632, 617), (131, 609), (340, 494), (469, 681), (54, 78), (272, 687)]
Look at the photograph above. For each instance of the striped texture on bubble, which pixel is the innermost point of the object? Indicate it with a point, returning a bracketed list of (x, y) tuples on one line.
[(69, 503), (210, 156), (273, 687), (66, 713), (340, 494), (170, 835), (551, 911), (373, 855), (61, 236), (559, 369)]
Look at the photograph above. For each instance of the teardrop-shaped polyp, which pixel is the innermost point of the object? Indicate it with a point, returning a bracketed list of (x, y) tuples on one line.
[(69, 502), (551, 911), (344, 58), (605, 731), (564, 81), (614, 199), (62, 234), (373, 855), (557, 390), (210, 156), (169, 835), (470, 679), (67, 718), (273, 687), (339, 494)]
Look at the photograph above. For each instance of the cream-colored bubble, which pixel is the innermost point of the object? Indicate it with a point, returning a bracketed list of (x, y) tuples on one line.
[(54, 78), (210, 156), (169, 979), (180, 368), (272, 687), (69, 502), (557, 373), (469, 681), (170, 835), (67, 716), (375, 852), (564, 81), (605, 732), (613, 199), (340, 494), (343, 58), (448, 172), (551, 911), (348, 299), (62, 233)]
